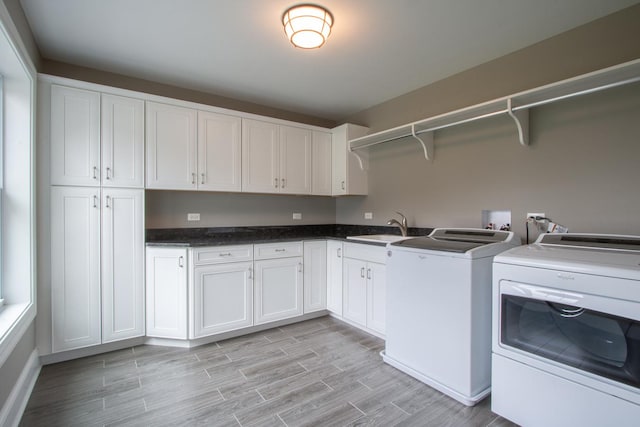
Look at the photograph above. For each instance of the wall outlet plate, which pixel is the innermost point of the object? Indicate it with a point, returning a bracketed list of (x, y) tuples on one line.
[(368, 215), (297, 215), (193, 217)]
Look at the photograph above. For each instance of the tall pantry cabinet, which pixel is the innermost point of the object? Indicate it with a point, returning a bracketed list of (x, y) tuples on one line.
[(97, 221)]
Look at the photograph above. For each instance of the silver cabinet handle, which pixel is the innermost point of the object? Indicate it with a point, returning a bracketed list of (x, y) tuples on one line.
[(95, 201), (362, 272), (343, 187), (369, 273), (339, 252), (107, 173), (225, 254), (108, 198), (193, 178), (276, 182), (95, 172), (250, 273), (281, 250), (202, 181), (181, 262), (282, 186), (299, 267)]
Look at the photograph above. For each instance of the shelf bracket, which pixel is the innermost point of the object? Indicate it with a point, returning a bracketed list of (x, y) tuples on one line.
[(360, 161), (521, 118), (426, 141)]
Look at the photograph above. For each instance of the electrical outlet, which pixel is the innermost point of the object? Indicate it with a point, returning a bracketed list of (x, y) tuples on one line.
[(536, 214), (368, 215), (297, 215), (193, 217)]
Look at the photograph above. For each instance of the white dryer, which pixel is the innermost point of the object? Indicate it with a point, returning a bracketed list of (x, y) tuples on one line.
[(439, 308), (566, 331)]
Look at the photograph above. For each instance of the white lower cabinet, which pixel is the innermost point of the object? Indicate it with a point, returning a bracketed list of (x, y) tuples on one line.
[(278, 282), (364, 286), (334, 276), (220, 290), (315, 276), (376, 297), (167, 292), (122, 264), (75, 267), (97, 271)]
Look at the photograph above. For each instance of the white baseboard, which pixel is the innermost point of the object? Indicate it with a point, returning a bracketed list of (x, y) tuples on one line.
[(15, 404)]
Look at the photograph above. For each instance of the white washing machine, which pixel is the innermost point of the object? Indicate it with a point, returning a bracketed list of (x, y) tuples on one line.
[(566, 331), (439, 309)]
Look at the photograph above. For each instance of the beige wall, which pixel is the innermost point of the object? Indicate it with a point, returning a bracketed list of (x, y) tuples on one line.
[(11, 369), (604, 42), (92, 75), (168, 209), (581, 169)]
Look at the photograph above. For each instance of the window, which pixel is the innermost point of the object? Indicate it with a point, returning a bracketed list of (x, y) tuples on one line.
[(17, 188)]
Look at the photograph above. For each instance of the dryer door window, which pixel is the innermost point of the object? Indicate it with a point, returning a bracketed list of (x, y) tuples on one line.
[(589, 340)]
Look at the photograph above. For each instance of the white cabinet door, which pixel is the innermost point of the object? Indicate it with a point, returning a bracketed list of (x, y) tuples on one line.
[(278, 289), (321, 163), (122, 264), (219, 152), (376, 297), (334, 276), (75, 137), (260, 169), (222, 298), (347, 175), (295, 160), (75, 267), (171, 147), (167, 292), (315, 276), (122, 141), (354, 296)]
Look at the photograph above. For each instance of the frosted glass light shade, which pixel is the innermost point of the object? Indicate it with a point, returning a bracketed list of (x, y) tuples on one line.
[(307, 26)]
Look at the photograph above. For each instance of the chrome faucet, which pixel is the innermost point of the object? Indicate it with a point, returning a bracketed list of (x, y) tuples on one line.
[(402, 224)]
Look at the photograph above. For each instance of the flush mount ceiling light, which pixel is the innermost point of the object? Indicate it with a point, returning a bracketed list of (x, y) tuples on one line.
[(307, 25)]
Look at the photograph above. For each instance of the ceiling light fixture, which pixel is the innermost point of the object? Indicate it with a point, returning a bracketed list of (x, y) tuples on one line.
[(307, 25)]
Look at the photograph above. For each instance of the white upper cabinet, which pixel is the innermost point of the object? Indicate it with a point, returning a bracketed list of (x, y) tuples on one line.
[(348, 178), (295, 160), (75, 137), (260, 173), (122, 141), (219, 152), (321, 164), (275, 158), (171, 147)]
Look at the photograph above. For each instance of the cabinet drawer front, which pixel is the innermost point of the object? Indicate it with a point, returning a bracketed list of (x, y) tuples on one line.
[(366, 252), (221, 254), (278, 250)]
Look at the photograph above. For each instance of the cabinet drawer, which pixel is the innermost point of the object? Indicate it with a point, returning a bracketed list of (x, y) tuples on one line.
[(365, 252), (221, 254), (278, 250)]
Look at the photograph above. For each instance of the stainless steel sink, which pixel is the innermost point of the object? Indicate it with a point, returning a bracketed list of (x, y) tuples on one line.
[(378, 238)]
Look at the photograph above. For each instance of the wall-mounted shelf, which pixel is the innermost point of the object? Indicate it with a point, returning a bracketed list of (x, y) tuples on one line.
[(516, 106)]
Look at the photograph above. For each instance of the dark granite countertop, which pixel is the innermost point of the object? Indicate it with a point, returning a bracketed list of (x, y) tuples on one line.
[(219, 236)]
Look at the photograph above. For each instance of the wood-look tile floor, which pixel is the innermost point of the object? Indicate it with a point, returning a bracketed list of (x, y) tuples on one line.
[(314, 373)]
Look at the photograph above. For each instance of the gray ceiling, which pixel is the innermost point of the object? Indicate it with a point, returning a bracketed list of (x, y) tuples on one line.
[(379, 49)]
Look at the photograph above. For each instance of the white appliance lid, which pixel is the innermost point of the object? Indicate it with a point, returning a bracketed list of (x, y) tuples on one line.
[(457, 240), (599, 254)]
